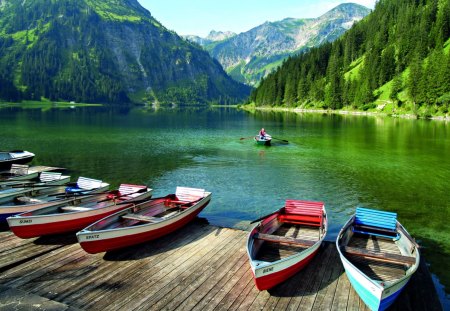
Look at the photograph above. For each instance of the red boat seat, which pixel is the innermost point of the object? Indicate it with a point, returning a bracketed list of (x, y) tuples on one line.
[(303, 213)]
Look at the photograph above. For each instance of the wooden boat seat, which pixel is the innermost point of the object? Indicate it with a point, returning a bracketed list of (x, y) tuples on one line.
[(303, 213), (76, 208), (142, 218), (283, 240), (377, 223), (380, 256)]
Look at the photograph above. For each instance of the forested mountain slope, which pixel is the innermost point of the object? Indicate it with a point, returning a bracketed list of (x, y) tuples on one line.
[(103, 51), (398, 56)]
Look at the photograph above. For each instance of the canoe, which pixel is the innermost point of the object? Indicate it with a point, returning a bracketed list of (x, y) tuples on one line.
[(144, 222), (266, 141), (68, 218), (379, 256), (50, 182), (67, 193), (284, 242), (8, 158), (23, 174)]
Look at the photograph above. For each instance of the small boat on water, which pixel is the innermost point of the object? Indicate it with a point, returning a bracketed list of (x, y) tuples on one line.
[(50, 182), (69, 218), (67, 193), (285, 241), (144, 222), (379, 256), (8, 158), (265, 141), (22, 173)]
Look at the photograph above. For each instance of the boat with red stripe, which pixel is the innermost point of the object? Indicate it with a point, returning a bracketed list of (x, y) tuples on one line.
[(145, 221), (69, 218), (285, 241)]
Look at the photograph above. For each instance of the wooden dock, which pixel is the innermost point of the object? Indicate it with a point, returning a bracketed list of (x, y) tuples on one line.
[(200, 267)]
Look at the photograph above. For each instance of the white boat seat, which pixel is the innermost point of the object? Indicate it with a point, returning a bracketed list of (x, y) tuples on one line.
[(76, 208), (19, 169), (49, 176)]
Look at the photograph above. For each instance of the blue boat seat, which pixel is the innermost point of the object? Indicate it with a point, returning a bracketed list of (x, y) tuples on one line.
[(373, 222)]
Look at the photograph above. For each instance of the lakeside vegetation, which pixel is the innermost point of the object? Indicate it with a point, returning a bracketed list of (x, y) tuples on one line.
[(396, 61)]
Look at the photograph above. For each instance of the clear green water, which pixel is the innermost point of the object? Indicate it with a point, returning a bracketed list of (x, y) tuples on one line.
[(345, 161)]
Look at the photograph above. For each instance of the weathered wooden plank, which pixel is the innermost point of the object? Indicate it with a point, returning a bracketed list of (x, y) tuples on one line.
[(199, 267), (180, 269), (381, 256), (326, 293), (154, 257), (208, 291), (213, 299), (283, 239), (197, 285), (179, 289)]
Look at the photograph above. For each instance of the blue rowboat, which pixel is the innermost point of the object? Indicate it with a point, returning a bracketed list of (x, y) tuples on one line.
[(379, 256)]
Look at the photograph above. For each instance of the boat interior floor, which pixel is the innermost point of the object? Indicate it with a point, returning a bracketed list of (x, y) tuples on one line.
[(271, 252), (377, 270)]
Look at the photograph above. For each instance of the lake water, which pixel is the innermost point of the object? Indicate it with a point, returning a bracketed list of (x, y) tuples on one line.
[(344, 161)]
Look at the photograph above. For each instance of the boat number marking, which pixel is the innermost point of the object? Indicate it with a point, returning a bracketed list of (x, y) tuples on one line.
[(92, 237), (25, 221), (266, 270)]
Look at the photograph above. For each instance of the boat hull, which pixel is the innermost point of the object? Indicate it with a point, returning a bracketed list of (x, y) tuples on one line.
[(269, 276), (9, 194), (8, 158), (263, 142), (375, 294), (11, 210), (29, 226), (107, 240)]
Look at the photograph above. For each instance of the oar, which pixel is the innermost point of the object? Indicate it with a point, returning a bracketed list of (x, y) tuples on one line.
[(242, 138), (37, 186), (137, 202), (284, 140), (263, 217)]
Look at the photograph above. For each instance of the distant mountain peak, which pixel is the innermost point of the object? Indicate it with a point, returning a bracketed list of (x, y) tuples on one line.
[(251, 55)]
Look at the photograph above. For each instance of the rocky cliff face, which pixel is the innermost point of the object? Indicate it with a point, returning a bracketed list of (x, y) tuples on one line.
[(107, 51), (253, 54)]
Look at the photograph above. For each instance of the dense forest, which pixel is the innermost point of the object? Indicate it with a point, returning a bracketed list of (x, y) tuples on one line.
[(103, 51), (398, 55)]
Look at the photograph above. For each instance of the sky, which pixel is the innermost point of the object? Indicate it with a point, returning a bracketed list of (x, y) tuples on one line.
[(199, 17)]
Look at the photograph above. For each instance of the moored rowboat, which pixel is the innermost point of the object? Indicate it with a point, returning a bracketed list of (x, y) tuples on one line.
[(49, 184), (379, 256), (8, 158), (69, 218), (34, 196), (284, 242), (144, 222)]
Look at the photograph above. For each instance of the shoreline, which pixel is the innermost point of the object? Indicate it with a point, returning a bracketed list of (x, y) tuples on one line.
[(345, 112)]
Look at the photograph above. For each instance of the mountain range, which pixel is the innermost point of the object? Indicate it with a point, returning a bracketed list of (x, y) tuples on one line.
[(251, 55), (103, 51)]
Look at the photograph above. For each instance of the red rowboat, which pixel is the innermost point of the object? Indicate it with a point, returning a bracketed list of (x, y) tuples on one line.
[(144, 222), (285, 241), (69, 218)]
